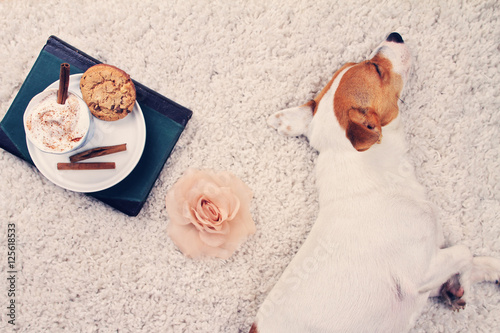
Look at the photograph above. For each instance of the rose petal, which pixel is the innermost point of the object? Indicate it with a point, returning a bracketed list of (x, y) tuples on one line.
[(216, 252), (176, 196), (223, 198), (188, 214), (212, 239), (206, 222), (207, 210), (210, 226), (188, 217), (223, 229), (241, 227), (209, 191), (187, 239), (235, 206), (173, 210)]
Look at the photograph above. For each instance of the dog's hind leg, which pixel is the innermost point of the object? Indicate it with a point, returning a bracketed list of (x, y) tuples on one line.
[(452, 272), (483, 269), (452, 292), (445, 264)]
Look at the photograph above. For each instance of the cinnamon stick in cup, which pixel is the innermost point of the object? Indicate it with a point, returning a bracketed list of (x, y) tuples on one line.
[(62, 93)]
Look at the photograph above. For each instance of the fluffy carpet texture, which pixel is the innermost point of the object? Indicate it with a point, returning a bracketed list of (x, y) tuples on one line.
[(84, 267)]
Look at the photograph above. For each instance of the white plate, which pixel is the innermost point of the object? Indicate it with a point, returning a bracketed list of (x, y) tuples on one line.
[(130, 130)]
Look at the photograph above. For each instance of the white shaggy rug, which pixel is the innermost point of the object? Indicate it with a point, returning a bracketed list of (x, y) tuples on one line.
[(84, 267)]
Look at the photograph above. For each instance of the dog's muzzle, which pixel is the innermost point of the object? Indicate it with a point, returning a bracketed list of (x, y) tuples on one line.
[(395, 49)]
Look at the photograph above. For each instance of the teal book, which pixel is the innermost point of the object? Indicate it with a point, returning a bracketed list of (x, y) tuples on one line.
[(165, 121)]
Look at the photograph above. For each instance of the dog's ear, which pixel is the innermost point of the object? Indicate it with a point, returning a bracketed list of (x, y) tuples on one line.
[(363, 128)]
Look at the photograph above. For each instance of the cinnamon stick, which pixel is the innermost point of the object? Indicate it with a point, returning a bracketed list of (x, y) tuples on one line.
[(98, 151), (86, 166), (62, 93)]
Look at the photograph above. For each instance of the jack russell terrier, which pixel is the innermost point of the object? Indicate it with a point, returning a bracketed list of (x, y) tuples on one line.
[(374, 255)]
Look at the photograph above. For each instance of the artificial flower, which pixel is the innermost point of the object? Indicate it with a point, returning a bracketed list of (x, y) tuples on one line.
[(209, 213)]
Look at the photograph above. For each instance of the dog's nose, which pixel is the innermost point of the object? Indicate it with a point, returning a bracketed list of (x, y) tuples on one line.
[(395, 37)]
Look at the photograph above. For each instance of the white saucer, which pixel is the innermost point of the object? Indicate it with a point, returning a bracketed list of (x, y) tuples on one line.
[(130, 130)]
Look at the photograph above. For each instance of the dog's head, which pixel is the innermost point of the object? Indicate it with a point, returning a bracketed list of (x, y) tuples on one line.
[(364, 96), (367, 95)]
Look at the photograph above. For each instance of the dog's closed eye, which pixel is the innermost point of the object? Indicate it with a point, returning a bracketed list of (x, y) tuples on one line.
[(377, 68)]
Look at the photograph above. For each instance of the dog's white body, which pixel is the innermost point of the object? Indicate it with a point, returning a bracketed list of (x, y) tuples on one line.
[(374, 254)]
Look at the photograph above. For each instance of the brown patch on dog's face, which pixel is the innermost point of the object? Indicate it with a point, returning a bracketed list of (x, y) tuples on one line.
[(318, 98), (367, 99)]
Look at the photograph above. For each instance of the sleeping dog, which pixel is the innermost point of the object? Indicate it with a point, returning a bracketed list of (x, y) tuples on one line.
[(374, 255)]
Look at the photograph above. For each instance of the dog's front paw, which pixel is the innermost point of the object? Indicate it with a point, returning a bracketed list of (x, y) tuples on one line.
[(293, 121), (452, 293)]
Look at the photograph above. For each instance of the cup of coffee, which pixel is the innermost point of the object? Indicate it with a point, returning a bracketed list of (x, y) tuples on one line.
[(58, 128)]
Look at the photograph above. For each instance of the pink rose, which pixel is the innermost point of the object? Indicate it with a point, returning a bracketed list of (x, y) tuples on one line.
[(209, 213)]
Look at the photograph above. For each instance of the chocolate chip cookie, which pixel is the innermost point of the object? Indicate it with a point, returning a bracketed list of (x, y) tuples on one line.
[(108, 91)]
